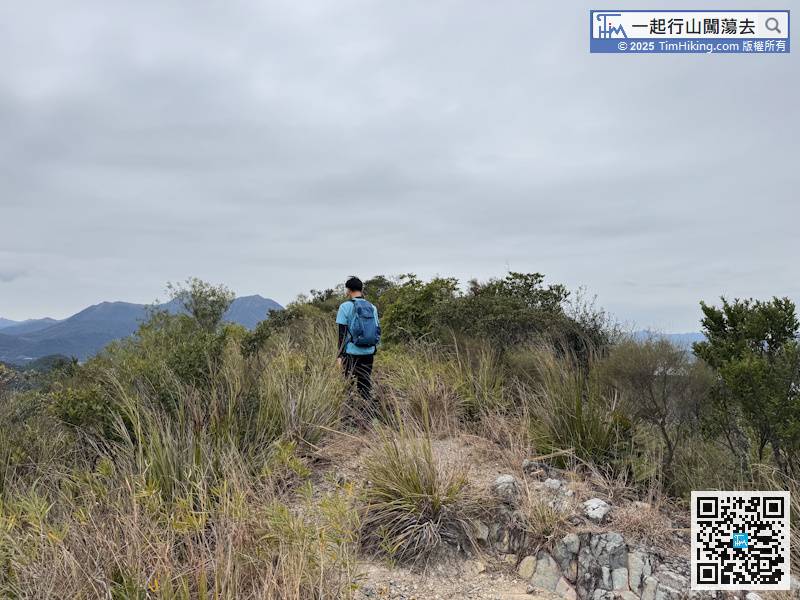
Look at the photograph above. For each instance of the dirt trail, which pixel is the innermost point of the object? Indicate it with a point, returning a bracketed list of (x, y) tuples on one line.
[(472, 581)]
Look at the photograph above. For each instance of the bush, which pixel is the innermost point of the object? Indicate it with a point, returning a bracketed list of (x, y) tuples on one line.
[(661, 386), (413, 503), (754, 349), (31, 441)]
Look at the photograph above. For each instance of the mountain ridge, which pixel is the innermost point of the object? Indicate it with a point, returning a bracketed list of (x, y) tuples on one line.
[(27, 326), (89, 330)]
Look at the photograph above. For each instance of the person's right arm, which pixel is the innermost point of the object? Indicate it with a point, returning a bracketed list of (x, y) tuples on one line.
[(342, 338), (342, 321)]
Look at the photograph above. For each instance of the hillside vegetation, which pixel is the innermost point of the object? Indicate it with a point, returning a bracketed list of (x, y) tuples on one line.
[(199, 459), (87, 332)]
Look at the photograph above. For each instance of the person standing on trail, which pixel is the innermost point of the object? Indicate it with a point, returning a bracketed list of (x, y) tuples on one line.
[(359, 336)]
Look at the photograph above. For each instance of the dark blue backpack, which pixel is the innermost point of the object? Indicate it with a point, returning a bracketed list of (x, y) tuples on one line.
[(364, 331)]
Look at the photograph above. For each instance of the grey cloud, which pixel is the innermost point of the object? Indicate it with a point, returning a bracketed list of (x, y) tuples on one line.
[(258, 142), (9, 275)]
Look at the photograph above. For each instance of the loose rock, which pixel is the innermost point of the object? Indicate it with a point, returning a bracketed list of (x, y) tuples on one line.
[(527, 567), (547, 573), (596, 509), (506, 488), (554, 484)]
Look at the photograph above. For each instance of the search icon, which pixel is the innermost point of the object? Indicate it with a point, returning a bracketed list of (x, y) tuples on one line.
[(772, 25)]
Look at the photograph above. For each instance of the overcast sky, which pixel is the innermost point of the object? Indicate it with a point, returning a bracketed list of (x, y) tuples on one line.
[(277, 147)]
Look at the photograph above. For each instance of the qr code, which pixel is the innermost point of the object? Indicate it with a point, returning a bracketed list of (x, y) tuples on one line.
[(740, 540)]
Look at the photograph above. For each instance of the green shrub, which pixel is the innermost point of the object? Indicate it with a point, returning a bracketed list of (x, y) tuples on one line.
[(31, 440), (754, 349), (660, 385)]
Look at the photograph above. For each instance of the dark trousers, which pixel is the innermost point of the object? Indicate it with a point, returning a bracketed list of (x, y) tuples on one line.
[(359, 368)]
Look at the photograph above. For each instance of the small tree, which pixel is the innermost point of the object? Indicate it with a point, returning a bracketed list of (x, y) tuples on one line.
[(206, 303), (661, 385), (754, 350)]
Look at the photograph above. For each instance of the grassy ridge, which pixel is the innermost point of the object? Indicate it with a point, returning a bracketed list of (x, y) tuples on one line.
[(184, 463)]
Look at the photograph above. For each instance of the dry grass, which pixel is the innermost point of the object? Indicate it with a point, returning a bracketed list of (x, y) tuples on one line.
[(648, 525), (209, 495), (544, 522), (187, 502), (414, 504)]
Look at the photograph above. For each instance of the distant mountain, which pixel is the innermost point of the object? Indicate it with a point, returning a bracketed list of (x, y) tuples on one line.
[(7, 323), (87, 332), (29, 326), (682, 340), (250, 310)]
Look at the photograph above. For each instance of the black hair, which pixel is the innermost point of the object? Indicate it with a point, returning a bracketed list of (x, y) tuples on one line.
[(354, 284)]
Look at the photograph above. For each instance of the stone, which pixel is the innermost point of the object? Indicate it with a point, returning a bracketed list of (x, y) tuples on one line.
[(508, 532), (509, 559), (535, 468), (600, 554), (565, 590), (619, 578), (596, 509), (503, 543), (638, 568), (554, 484), (474, 567), (547, 573), (794, 583), (506, 488), (571, 542), (627, 595), (527, 567), (752, 596), (664, 592), (565, 551), (481, 532), (672, 580), (649, 587)]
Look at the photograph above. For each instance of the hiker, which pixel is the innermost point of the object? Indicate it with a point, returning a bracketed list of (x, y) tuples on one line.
[(359, 336)]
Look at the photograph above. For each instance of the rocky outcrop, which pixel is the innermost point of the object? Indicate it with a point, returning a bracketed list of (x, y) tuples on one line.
[(586, 564), (602, 566)]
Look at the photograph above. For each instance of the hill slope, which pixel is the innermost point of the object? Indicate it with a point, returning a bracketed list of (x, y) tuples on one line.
[(28, 326), (87, 332)]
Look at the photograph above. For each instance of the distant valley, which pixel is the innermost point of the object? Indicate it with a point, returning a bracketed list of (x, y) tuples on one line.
[(85, 333)]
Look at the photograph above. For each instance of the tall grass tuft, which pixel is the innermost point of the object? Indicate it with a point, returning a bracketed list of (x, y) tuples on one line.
[(413, 503), (416, 387), (569, 409), (480, 380)]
